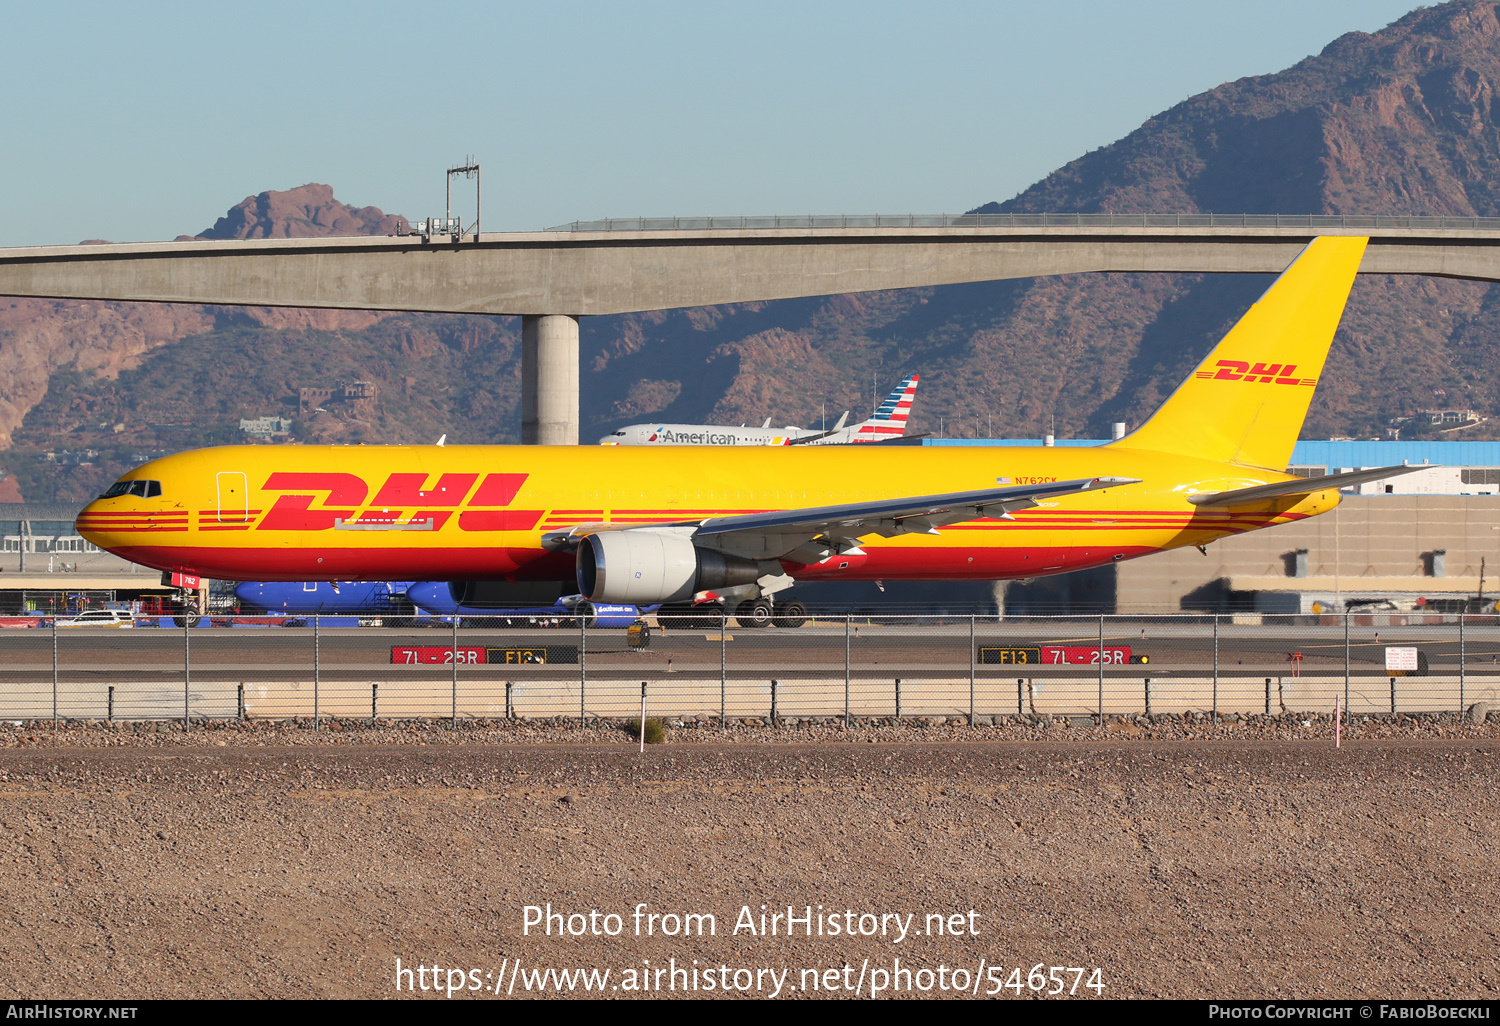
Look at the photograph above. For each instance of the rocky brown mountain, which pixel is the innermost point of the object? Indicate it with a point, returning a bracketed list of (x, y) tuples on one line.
[(309, 212), (1398, 121)]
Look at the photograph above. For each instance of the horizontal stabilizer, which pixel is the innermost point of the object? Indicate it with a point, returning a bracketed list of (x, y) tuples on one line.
[(896, 440), (1301, 486), (904, 439)]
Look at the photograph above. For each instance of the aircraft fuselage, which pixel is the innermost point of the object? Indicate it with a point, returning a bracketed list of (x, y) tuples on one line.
[(374, 513)]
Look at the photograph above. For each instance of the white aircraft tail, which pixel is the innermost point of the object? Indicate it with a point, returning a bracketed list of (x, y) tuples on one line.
[(890, 419)]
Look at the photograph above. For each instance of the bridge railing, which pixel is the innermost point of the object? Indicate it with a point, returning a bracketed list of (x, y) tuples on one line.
[(1053, 220)]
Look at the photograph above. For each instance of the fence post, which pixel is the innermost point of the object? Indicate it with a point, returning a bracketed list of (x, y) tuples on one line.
[(1462, 668), (54, 668), (1020, 696), (775, 712), (848, 621), (187, 669), (239, 701), (453, 707), (1268, 696), (1101, 669), (110, 707), (1393, 696), (583, 678), (898, 698), (641, 733), (1216, 668), (972, 620), (510, 709), (1148, 697), (724, 667), (1346, 660), (317, 671), (374, 703)]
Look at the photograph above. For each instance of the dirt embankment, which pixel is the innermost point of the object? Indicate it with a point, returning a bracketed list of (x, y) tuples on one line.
[(1178, 868)]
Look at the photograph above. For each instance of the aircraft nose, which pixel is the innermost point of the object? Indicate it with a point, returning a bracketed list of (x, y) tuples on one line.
[(89, 522)]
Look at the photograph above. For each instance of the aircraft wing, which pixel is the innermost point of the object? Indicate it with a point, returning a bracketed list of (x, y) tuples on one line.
[(1301, 486), (818, 530), (826, 528), (813, 438)]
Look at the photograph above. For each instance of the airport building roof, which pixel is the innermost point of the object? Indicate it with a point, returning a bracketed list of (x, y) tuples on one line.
[(40, 510)]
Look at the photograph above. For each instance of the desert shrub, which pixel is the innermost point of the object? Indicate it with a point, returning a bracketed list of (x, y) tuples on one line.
[(656, 730)]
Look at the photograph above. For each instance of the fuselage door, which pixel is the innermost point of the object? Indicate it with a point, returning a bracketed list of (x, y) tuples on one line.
[(233, 497)]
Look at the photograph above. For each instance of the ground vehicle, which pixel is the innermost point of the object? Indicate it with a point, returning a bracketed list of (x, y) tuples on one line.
[(153, 608), (96, 618)]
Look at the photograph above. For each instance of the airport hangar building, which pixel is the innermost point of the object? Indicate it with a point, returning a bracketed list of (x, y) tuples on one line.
[(1424, 539)]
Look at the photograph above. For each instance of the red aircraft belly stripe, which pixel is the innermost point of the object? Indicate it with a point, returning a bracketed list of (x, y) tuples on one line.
[(372, 564)]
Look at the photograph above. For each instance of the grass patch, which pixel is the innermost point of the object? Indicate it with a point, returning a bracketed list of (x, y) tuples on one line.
[(656, 730)]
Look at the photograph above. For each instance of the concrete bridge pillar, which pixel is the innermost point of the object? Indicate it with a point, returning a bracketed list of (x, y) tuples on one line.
[(549, 379)]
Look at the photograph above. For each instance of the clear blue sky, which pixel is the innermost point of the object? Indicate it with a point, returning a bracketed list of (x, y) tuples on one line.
[(145, 121)]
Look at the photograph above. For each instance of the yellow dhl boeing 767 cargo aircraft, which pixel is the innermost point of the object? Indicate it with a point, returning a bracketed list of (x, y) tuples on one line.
[(641, 526)]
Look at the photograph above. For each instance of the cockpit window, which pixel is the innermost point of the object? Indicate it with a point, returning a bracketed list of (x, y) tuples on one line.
[(144, 489)]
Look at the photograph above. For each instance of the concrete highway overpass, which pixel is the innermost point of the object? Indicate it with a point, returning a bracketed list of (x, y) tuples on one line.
[(552, 278)]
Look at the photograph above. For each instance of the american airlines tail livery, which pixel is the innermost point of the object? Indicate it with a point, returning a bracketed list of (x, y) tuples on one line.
[(888, 421), (684, 525)]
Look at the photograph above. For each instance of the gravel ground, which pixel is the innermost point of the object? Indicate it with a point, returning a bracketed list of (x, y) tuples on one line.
[(1180, 858)]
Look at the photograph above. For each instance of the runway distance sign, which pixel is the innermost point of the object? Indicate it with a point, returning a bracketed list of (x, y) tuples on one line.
[(475, 655)]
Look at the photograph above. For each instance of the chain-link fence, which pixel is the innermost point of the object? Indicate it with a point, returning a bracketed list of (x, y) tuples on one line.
[(842, 666)]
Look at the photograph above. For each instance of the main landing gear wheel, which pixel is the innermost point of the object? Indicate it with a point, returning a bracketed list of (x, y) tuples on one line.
[(790, 614), (755, 614), (703, 620), (675, 616)]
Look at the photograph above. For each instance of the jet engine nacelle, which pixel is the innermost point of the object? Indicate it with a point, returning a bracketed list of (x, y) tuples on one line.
[(646, 567)]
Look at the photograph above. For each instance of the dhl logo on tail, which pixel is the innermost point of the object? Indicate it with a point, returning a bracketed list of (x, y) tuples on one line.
[(1240, 370)]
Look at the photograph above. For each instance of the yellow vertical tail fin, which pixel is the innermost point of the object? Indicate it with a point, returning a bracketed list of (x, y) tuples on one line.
[(1245, 403)]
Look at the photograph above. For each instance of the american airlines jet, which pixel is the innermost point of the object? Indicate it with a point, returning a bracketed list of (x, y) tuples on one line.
[(889, 421)]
